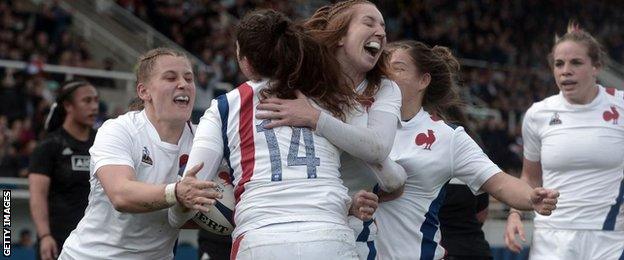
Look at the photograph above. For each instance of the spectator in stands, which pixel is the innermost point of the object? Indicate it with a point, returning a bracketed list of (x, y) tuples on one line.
[(59, 167), (25, 239)]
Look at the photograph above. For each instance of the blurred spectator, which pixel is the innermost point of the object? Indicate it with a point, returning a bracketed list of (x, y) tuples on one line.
[(25, 239)]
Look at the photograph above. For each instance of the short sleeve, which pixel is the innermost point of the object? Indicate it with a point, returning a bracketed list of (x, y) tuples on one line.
[(388, 99), (112, 146), (530, 138), (470, 164), (42, 158)]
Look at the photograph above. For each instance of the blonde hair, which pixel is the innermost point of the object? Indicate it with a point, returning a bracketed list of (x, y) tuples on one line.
[(146, 62)]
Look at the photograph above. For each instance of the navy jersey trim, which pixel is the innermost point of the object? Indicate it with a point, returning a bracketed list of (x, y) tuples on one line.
[(609, 223), (430, 226), (224, 110)]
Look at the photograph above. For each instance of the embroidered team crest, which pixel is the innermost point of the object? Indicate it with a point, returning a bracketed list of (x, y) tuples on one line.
[(146, 157), (611, 115), (427, 139), (555, 120)]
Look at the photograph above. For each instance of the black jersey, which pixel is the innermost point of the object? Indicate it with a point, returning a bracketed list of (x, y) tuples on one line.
[(66, 161), (461, 231)]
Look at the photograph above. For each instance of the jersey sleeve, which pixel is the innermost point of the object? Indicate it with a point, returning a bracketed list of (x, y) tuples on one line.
[(531, 141), (112, 146), (469, 163), (42, 158), (208, 142), (388, 99)]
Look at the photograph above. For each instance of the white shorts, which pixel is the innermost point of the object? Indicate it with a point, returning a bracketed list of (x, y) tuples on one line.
[(365, 234), (569, 244), (296, 240)]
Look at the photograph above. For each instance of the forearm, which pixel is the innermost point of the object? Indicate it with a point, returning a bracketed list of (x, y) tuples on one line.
[(139, 197), (39, 212), (509, 190), (371, 144)]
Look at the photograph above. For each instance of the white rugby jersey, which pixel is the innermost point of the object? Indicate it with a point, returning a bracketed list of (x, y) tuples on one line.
[(432, 153), (581, 150), (280, 175), (105, 233), (356, 174)]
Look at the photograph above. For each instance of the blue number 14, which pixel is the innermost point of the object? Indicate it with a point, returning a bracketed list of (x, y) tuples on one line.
[(310, 160)]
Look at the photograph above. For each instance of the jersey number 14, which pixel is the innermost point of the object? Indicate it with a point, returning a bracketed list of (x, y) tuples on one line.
[(310, 160)]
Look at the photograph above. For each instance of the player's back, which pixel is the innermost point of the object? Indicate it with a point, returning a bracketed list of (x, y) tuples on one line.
[(285, 174)]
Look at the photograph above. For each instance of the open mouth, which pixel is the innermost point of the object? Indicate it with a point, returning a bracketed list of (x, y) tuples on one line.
[(372, 48), (181, 100), (568, 83)]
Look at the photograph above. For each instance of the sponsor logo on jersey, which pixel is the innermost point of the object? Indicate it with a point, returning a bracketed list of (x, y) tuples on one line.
[(80, 162), (67, 151), (146, 157), (611, 115), (554, 119), (426, 139)]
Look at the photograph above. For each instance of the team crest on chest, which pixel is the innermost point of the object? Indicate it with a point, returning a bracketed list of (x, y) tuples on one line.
[(611, 115), (146, 157), (426, 139), (554, 119)]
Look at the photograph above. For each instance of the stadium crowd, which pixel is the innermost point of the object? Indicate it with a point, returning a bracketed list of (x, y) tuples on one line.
[(509, 37)]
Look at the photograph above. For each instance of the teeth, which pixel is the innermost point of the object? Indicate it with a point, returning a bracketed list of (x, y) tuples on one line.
[(181, 98), (374, 45)]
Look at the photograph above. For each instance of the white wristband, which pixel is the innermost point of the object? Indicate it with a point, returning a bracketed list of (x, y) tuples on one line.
[(170, 196)]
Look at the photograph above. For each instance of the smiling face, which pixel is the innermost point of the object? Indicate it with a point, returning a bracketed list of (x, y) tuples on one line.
[(575, 73), (169, 92), (360, 49)]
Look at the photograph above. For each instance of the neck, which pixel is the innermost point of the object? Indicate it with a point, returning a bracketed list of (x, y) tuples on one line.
[(357, 77), (411, 106), (78, 131), (168, 131)]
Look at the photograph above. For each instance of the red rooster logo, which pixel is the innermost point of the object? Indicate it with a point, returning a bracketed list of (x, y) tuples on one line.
[(427, 139), (611, 115)]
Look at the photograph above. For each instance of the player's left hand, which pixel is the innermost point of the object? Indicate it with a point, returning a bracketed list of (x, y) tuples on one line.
[(364, 205), (288, 112), (544, 201)]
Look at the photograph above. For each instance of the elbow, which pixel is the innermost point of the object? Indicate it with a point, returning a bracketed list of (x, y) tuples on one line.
[(395, 183), (120, 204)]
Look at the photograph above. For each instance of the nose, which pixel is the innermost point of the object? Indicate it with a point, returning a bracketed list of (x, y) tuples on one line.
[(567, 69), (380, 31)]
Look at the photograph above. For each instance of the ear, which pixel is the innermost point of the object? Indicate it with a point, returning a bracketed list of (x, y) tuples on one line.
[(143, 92), (596, 70), (67, 106), (424, 81), (341, 42)]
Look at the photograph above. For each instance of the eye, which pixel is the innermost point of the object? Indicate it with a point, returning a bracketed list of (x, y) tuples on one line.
[(558, 63)]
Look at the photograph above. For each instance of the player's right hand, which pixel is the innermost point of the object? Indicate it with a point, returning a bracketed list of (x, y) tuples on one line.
[(514, 226), (47, 248), (196, 194)]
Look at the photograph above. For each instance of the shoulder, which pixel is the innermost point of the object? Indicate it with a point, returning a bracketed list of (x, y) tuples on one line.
[(388, 87), (614, 95), (130, 124), (51, 142)]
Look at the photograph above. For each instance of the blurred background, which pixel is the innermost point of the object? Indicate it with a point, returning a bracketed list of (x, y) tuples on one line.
[(502, 45)]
